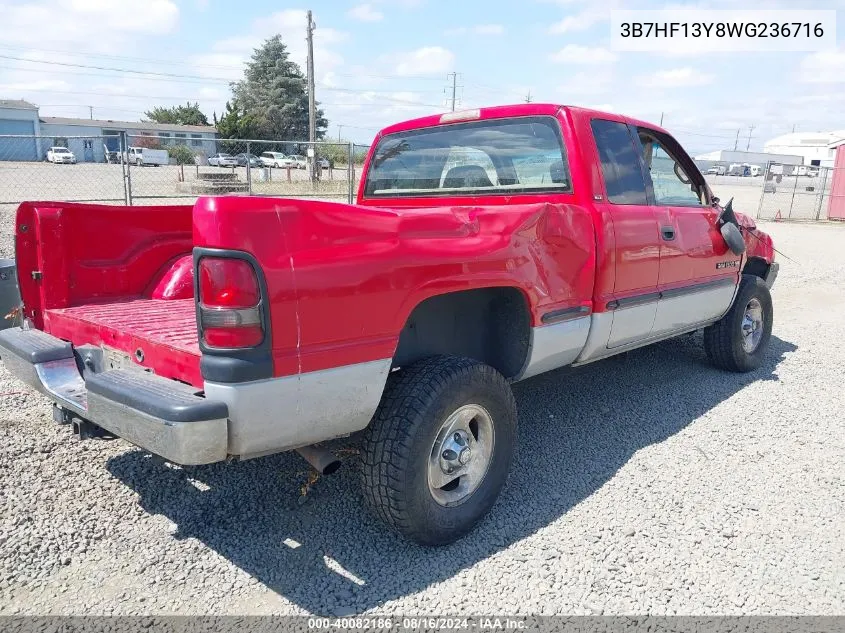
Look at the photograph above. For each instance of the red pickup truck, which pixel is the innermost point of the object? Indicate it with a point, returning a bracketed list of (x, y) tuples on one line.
[(485, 247)]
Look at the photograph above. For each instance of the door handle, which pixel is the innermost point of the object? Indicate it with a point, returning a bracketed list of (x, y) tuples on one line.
[(667, 232)]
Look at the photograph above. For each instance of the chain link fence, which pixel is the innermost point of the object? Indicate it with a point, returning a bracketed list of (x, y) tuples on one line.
[(802, 192), (146, 169)]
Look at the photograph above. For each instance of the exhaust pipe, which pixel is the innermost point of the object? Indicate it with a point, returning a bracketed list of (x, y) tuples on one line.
[(322, 460)]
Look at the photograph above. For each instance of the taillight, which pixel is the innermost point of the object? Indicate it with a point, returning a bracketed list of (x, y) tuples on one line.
[(229, 299)]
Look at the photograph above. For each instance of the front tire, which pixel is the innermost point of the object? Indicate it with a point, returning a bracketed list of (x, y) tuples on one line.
[(438, 451), (738, 341)]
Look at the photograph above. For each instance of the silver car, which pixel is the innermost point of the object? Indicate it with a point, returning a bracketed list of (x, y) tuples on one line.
[(223, 160)]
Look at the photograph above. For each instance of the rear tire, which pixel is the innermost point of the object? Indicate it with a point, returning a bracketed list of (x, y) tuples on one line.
[(438, 451), (738, 342)]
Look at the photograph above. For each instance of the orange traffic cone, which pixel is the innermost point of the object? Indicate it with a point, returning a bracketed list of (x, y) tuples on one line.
[(778, 216)]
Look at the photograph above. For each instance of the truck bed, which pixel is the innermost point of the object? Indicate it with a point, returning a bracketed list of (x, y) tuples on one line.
[(165, 331)]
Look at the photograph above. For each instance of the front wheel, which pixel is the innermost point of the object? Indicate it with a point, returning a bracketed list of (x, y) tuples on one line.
[(738, 341), (438, 450)]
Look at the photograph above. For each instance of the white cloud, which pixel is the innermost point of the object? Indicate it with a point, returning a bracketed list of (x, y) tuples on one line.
[(580, 21), (575, 54), (585, 84), (61, 23), (676, 78), (365, 13), (824, 67), (428, 60), (478, 29), (228, 55)]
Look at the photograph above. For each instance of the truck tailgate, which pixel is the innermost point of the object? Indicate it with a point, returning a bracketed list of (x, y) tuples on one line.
[(165, 332)]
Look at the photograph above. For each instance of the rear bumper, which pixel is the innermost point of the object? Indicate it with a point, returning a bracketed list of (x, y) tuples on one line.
[(162, 416)]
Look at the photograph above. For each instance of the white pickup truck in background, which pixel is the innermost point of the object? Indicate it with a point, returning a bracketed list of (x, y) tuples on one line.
[(146, 156)]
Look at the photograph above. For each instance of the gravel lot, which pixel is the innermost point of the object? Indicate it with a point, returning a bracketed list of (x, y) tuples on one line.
[(649, 483)]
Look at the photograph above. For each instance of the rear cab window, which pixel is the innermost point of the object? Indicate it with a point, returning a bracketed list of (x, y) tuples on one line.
[(487, 157)]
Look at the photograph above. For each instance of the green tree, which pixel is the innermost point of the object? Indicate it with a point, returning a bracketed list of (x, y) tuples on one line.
[(271, 101), (188, 114), (182, 154), (236, 123)]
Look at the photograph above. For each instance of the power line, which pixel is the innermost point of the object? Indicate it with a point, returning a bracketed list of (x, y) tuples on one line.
[(122, 70), (119, 57), (198, 80)]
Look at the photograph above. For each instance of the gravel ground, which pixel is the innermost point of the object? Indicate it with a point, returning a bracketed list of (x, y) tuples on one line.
[(649, 483)]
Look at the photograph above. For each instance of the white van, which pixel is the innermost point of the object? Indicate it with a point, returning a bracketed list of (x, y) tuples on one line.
[(145, 156)]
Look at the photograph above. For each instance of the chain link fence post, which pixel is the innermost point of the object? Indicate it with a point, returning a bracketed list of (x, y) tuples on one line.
[(124, 162), (248, 162), (766, 179), (350, 172), (821, 193), (794, 191)]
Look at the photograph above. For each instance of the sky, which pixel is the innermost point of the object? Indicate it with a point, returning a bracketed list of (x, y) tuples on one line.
[(382, 61)]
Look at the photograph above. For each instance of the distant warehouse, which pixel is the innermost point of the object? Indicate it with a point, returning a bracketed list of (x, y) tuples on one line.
[(26, 136), (726, 157)]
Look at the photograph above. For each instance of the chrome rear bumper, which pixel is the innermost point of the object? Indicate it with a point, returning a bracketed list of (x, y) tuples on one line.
[(160, 415)]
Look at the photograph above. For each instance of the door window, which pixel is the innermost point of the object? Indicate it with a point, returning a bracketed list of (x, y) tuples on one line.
[(672, 186), (620, 163)]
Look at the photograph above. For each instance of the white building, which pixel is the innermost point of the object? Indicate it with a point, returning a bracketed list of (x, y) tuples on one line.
[(815, 147), (26, 136), (726, 156)]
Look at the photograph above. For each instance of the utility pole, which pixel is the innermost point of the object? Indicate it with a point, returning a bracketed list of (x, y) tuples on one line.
[(736, 142), (339, 128), (312, 108), (750, 130), (91, 112), (661, 119), (454, 77), (528, 97)]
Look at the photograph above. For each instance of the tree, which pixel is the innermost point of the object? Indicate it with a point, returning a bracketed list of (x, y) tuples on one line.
[(236, 123), (143, 140), (188, 114), (271, 101), (182, 154)]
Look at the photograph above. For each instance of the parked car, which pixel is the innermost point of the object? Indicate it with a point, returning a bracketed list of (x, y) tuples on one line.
[(142, 156), (298, 161), (272, 159), (278, 159), (717, 170), (223, 160), (60, 155), (323, 163), (404, 317), (244, 158)]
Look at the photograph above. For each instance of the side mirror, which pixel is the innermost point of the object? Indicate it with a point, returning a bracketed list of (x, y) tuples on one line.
[(733, 238)]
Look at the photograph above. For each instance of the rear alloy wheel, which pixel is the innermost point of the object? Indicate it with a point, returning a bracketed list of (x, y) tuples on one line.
[(738, 342), (438, 450)]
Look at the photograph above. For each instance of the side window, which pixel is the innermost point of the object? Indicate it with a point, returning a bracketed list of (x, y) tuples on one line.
[(672, 186), (620, 163)]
